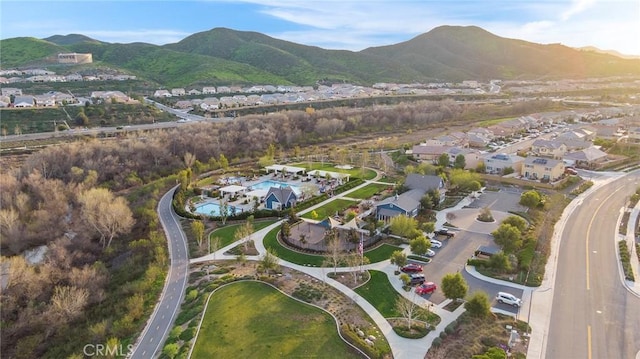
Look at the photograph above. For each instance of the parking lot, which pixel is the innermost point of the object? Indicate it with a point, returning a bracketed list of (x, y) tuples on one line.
[(471, 234)]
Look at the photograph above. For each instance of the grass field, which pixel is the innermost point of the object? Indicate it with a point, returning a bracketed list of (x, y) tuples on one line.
[(368, 191), (379, 292), (381, 253), (495, 121), (330, 208), (354, 172), (253, 320), (226, 234)]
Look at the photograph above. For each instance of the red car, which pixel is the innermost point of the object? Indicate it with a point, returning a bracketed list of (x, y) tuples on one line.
[(426, 288), (411, 268)]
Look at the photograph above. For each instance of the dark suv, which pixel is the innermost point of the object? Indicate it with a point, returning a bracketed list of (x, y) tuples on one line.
[(444, 232), (416, 279)]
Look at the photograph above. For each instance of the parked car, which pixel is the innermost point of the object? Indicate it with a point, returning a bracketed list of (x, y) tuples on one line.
[(416, 279), (435, 243), (508, 298), (430, 253), (570, 171), (444, 232), (426, 288), (411, 268)]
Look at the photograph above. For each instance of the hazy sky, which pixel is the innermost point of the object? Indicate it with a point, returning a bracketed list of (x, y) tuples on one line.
[(332, 24)]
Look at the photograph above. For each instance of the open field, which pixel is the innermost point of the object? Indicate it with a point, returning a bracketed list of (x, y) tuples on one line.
[(369, 190), (251, 319), (330, 208)]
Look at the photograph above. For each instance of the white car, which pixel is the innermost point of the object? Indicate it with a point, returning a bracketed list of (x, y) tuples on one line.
[(435, 243), (430, 253), (508, 298)]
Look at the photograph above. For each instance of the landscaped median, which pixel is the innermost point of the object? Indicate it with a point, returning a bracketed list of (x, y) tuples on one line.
[(380, 293)]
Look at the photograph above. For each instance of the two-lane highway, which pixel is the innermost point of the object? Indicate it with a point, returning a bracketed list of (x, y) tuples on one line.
[(593, 313), (158, 326)]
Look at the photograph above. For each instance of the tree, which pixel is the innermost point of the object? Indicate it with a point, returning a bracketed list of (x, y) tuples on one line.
[(428, 227), (244, 232), (404, 277), (531, 199), (399, 258), (420, 245), (108, 215), (500, 262), (443, 160), (454, 286), (189, 159), (224, 211), (171, 350), (517, 222), (464, 180), (353, 260), (224, 163), (478, 305), (334, 249), (197, 227), (214, 245), (268, 261), (485, 215), (460, 162), (68, 302), (507, 170), (481, 168), (403, 226), (407, 309), (285, 230), (508, 237)]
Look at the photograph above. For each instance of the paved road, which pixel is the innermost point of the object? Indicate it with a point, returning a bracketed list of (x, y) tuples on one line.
[(593, 314), (150, 342)]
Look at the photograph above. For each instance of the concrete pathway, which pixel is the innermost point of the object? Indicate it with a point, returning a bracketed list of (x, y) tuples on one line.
[(631, 243)]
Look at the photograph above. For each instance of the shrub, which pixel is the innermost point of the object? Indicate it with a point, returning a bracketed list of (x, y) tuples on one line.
[(480, 263), (436, 342), (188, 334)]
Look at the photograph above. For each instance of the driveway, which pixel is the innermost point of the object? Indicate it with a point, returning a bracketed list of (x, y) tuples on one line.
[(505, 200)]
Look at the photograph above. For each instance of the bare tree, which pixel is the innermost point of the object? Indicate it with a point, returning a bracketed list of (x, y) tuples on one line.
[(354, 260), (407, 310), (334, 249), (108, 215), (68, 302), (214, 245), (244, 231), (268, 262)]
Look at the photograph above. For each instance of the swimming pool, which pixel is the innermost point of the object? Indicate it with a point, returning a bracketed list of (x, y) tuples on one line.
[(213, 209), (265, 185)]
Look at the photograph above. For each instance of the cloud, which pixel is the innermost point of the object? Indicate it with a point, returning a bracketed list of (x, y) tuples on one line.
[(577, 6)]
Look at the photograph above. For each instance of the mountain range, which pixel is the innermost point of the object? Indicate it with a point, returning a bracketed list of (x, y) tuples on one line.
[(223, 56)]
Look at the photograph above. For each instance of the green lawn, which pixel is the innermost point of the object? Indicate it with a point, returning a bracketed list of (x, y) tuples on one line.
[(226, 234), (271, 242), (495, 121), (330, 208), (379, 292), (354, 172), (368, 191), (253, 320), (381, 253)]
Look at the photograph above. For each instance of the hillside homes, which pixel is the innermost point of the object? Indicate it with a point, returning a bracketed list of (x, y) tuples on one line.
[(408, 203), (497, 163)]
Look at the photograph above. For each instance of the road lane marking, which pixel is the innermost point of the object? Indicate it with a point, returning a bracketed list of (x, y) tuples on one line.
[(586, 241), (588, 342)]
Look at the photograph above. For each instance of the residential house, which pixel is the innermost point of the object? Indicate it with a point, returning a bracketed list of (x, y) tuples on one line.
[(471, 157), (430, 154), (8, 91), (590, 157), (46, 100), (549, 148), (23, 101), (279, 198), (445, 140), (194, 92), (116, 96), (183, 104), (208, 90), (581, 134), (606, 131), (477, 141), (224, 89), (425, 183), (407, 204), (178, 92), (162, 93), (497, 163), (210, 103), (543, 169)]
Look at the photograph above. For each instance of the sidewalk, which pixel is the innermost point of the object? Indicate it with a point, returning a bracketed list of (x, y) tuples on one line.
[(631, 243)]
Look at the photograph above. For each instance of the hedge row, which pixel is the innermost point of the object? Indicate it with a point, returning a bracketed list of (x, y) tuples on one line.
[(625, 258)]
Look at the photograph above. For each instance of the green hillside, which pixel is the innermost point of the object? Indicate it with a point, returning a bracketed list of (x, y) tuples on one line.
[(460, 53), (23, 51), (299, 63), (223, 56)]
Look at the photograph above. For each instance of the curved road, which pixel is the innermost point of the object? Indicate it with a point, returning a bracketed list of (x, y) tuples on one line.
[(593, 314), (150, 341)]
